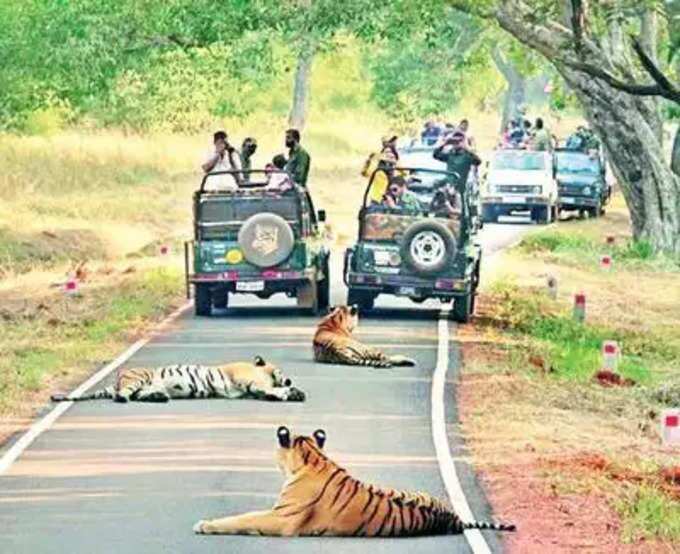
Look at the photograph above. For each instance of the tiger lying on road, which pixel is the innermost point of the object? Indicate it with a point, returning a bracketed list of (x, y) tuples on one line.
[(258, 380), (321, 498), (333, 342)]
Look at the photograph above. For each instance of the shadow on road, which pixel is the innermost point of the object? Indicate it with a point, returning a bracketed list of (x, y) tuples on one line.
[(286, 312)]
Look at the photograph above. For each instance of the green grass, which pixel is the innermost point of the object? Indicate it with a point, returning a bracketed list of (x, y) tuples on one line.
[(573, 349), (78, 333), (648, 513), (583, 249)]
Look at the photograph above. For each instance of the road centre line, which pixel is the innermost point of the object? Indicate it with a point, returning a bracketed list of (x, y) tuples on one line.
[(447, 467), (44, 423)]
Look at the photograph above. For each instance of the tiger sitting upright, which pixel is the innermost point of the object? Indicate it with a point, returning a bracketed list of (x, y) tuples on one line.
[(321, 498), (333, 342), (259, 380)]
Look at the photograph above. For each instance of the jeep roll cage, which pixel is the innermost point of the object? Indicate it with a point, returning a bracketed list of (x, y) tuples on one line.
[(425, 212)]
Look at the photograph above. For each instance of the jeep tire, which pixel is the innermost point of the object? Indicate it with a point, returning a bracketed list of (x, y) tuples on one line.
[(220, 298), (323, 292), (428, 247), (462, 307), (364, 300), (273, 246), (202, 299)]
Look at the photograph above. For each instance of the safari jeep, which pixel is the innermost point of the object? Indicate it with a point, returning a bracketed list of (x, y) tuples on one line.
[(416, 254), (520, 181), (255, 241), (581, 181)]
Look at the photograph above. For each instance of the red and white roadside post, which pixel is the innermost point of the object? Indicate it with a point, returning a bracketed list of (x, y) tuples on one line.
[(610, 355), (580, 306), (606, 262), (71, 285), (670, 427)]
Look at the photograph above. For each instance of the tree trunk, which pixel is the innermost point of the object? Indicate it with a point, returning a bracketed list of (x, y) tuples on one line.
[(624, 123), (303, 72), (515, 95), (675, 153)]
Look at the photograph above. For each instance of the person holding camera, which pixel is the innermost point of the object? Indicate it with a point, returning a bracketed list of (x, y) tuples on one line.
[(399, 197), (458, 157), (223, 158)]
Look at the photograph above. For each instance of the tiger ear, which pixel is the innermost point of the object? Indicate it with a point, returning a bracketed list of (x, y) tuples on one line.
[(259, 361), (320, 437), (283, 435), (353, 309)]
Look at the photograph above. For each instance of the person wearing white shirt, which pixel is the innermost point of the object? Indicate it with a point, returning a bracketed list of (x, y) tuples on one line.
[(223, 158)]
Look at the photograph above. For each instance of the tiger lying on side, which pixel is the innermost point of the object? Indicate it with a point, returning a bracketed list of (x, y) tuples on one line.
[(258, 380), (321, 498), (333, 342)]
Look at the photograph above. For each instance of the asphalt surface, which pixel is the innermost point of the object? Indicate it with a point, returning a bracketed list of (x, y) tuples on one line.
[(134, 478)]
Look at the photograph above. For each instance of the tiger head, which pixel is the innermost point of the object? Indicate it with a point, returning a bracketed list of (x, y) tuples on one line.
[(342, 320), (297, 451), (278, 379)]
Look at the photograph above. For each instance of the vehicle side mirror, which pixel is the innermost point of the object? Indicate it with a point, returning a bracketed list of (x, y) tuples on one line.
[(321, 216)]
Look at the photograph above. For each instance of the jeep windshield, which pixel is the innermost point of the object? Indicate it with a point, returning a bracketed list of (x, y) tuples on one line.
[(575, 162), (518, 161)]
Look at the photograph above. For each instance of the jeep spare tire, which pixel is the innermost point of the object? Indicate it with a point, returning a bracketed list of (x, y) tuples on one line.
[(266, 239), (428, 247)]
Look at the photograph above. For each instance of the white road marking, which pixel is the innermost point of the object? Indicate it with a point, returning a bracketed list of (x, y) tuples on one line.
[(43, 424), (447, 467)]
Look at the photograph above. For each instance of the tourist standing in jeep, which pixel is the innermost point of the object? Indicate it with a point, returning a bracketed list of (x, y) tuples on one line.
[(223, 158), (458, 158), (298, 158)]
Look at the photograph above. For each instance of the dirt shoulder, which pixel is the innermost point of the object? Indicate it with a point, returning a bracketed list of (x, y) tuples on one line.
[(51, 340), (575, 462)]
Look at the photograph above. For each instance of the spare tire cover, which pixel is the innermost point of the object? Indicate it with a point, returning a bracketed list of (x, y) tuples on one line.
[(428, 247), (266, 239)]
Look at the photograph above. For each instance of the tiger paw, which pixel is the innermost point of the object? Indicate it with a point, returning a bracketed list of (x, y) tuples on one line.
[(120, 398), (295, 395), (198, 527)]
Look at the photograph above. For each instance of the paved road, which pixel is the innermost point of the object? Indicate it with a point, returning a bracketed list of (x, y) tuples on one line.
[(134, 478)]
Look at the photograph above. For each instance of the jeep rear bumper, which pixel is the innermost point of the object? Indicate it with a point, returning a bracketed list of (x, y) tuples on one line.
[(263, 283), (578, 202), (409, 286), (510, 204)]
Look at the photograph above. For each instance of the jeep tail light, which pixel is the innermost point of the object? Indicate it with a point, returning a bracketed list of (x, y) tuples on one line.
[(449, 284), (230, 275)]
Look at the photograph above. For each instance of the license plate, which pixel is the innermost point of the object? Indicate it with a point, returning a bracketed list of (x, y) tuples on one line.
[(250, 286), (407, 291), (514, 200), (568, 200)]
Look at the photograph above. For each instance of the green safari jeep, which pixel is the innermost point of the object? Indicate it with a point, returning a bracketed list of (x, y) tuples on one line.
[(252, 240), (420, 253)]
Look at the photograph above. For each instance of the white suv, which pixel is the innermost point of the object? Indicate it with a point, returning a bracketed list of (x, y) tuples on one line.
[(520, 181)]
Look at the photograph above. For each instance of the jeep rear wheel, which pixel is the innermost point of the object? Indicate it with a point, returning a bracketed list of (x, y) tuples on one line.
[(202, 299), (365, 301), (324, 287), (220, 299), (462, 308)]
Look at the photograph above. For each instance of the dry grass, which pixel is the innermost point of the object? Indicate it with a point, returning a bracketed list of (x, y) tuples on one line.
[(541, 419)]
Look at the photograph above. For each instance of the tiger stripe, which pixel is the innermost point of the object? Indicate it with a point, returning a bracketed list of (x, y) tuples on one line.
[(312, 503)]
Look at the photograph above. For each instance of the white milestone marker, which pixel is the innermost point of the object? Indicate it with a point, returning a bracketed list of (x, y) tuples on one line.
[(670, 427), (610, 355)]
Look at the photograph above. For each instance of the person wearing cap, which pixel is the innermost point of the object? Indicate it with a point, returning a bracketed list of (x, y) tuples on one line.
[(459, 158)]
